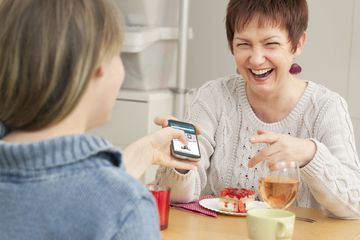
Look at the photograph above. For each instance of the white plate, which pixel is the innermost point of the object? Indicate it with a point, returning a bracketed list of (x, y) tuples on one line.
[(213, 204)]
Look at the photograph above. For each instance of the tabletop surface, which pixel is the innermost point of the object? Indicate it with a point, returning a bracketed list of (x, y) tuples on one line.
[(184, 224)]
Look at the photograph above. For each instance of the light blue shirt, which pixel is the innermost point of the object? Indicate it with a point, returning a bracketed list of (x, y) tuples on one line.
[(71, 187)]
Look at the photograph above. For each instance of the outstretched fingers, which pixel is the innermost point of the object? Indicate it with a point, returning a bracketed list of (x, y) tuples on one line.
[(163, 120)]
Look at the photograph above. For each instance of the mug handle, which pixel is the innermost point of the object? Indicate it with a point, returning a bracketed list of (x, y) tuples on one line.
[(284, 230)]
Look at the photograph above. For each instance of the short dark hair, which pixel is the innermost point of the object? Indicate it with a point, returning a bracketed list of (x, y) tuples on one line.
[(291, 15)]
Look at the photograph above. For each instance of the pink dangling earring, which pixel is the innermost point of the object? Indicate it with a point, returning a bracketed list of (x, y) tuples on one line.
[(295, 69)]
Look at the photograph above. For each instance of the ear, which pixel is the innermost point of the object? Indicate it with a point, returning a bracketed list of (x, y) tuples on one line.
[(99, 72), (300, 44)]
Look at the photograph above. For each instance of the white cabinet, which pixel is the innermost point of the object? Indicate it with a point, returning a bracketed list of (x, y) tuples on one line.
[(132, 118)]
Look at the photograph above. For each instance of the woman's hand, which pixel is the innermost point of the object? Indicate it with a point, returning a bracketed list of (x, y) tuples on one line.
[(162, 121), (282, 147), (160, 142), (155, 149)]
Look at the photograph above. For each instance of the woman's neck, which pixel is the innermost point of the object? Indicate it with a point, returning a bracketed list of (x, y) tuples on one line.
[(72, 124), (275, 108)]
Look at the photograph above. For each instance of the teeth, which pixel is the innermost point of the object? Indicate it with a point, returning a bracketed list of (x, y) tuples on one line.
[(261, 71)]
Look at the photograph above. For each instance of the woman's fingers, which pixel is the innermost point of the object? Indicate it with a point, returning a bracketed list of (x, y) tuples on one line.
[(163, 122), (173, 162), (197, 129), (177, 134), (265, 137), (261, 131), (269, 152)]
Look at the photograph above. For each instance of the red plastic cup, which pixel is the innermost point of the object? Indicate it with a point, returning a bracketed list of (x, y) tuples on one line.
[(162, 198)]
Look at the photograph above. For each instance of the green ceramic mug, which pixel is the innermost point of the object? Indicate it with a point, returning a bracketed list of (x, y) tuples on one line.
[(270, 224)]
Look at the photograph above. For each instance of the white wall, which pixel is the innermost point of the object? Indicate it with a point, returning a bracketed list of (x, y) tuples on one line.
[(354, 83), (326, 56), (208, 54), (331, 56)]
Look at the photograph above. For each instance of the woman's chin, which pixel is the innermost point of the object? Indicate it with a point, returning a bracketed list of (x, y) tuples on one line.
[(262, 87)]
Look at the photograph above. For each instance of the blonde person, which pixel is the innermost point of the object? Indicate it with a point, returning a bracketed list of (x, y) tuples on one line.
[(60, 72), (265, 112)]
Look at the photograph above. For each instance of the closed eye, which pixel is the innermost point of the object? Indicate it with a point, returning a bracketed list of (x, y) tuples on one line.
[(272, 44), (242, 44)]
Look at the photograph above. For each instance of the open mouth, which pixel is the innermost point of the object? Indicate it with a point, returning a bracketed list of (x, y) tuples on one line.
[(262, 73)]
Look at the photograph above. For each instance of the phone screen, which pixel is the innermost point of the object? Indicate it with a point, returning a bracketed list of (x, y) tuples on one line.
[(191, 149)]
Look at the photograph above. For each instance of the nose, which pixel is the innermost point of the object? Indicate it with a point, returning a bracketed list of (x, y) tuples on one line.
[(257, 57)]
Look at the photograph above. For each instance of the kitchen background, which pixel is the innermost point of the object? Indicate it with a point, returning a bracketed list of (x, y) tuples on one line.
[(331, 57)]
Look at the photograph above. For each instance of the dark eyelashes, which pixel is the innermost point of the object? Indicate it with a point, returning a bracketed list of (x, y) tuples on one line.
[(273, 43), (267, 44)]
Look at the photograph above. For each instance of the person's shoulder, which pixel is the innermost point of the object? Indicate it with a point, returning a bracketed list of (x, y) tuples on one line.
[(112, 192), (323, 96), (224, 87), (101, 179), (119, 184), (101, 166), (227, 82), (323, 102)]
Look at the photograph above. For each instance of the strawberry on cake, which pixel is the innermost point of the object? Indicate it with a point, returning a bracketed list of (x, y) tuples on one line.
[(235, 199)]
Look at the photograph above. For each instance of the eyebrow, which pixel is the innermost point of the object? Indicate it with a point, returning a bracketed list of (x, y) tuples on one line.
[(269, 38), (239, 38), (266, 39)]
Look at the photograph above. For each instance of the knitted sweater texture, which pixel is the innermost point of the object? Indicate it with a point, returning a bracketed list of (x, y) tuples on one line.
[(71, 187), (330, 181)]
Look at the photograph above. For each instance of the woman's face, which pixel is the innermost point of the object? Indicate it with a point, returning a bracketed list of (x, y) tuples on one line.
[(107, 88), (115, 75), (263, 57)]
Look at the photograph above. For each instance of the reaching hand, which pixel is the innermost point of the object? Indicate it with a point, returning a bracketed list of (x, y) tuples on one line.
[(155, 149), (163, 122), (160, 142), (282, 147)]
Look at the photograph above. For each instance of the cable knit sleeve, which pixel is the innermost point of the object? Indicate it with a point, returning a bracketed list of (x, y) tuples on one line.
[(333, 175), (203, 111)]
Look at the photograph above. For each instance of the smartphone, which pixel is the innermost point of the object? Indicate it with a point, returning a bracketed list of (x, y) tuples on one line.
[(190, 150)]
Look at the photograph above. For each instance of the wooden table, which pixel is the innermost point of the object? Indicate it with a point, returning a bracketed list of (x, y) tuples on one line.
[(187, 225)]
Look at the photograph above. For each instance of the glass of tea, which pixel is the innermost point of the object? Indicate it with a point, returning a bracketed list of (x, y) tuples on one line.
[(280, 183)]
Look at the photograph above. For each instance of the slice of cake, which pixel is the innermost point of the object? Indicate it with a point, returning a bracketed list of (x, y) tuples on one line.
[(235, 199)]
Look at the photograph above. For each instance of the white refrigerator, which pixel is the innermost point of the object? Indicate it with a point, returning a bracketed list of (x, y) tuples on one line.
[(154, 57)]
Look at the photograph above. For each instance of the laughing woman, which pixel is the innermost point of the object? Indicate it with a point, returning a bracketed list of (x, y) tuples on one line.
[(265, 112)]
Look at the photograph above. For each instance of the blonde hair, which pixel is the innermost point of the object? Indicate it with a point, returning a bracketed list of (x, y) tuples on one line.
[(48, 52)]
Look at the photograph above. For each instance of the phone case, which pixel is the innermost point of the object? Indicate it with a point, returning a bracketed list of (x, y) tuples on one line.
[(191, 136), (182, 155)]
